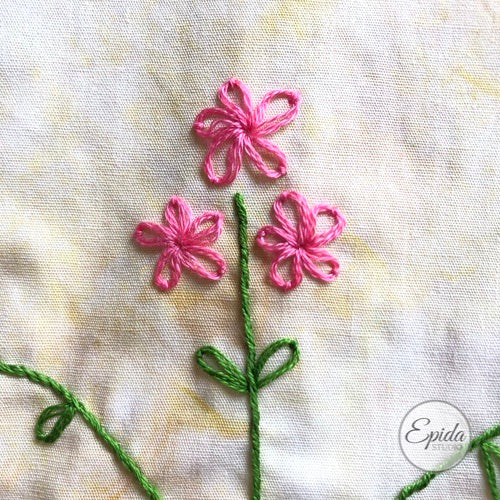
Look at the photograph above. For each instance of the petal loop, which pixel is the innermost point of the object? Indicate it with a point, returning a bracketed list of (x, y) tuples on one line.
[(173, 266), (273, 124), (150, 234), (277, 233), (234, 158), (246, 105), (272, 151), (211, 233), (338, 226), (178, 214), (191, 262), (296, 273), (220, 118), (318, 255), (306, 222)]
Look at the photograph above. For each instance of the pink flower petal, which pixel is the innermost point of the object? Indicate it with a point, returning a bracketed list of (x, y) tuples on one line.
[(178, 214), (234, 158), (338, 226), (209, 234), (306, 221), (296, 273), (150, 234), (190, 261), (317, 255), (273, 239), (273, 124), (170, 262), (221, 118), (272, 151), (242, 112)]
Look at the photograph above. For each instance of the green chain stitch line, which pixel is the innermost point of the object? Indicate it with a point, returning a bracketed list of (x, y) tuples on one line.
[(66, 412), (488, 449), (229, 374), (250, 340)]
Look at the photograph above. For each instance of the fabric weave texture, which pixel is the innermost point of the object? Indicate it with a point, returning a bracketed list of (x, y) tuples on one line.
[(398, 128)]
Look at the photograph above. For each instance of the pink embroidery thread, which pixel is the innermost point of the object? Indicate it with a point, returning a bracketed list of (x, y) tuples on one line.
[(301, 244), (244, 129), (183, 242)]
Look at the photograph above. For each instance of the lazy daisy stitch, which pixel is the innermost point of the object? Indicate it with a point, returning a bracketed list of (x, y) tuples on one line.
[(243, 129), (183, 241)]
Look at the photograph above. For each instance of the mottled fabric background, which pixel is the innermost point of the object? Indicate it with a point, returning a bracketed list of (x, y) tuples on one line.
[(399, 127)]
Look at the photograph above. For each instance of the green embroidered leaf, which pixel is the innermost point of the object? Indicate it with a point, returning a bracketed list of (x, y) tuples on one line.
[(64, 414), (489, 451), (229, 375), (269, 351)]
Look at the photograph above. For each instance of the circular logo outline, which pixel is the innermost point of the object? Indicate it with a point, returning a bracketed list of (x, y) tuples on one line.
[(466, 446)]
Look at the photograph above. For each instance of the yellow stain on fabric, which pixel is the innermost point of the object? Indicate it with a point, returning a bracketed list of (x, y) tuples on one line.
[(361, 250), (36, 163), (184, 301), (461, 273), (187, 33), (200, 415), (103, 490), (165, 98), (118, 495), (6, 101), (117, 47), (194, 312), (59, 109), (486, 83), (176, 100), (366, 284), (85, 58), (146, 118), (342, 305), (51, 355), (295, 14), (316, 127), (435, 16), (36, 73)]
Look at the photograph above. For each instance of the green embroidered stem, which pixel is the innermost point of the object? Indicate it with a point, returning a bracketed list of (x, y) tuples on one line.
[(250, 340), (487, 449), (226, 372), (65, 412)]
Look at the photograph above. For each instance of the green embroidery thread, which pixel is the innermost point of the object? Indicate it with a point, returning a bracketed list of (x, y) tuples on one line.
[(65, 412), (488, 450), (228, 373)]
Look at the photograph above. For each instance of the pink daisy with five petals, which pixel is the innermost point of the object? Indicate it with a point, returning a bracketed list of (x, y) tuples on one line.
[(183, 240), (301, 244)]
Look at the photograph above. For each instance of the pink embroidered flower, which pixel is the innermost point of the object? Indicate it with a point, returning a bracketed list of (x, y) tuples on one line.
[(243, 129), (182, 243), (301, 244)]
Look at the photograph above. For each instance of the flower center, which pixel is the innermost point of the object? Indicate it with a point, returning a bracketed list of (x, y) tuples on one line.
[(248, 126), (178, 242)]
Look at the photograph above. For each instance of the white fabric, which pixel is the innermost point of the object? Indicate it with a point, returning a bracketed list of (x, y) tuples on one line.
[(399, 127)]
